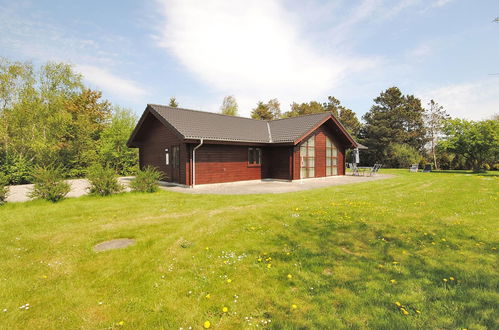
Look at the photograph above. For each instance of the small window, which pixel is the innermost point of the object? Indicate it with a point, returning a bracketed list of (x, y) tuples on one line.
[(254, 156), (167, 157)]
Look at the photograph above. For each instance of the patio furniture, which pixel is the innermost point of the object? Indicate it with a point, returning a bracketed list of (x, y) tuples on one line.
[(374, 169), (363, 169), (414, 168), (353, 168)]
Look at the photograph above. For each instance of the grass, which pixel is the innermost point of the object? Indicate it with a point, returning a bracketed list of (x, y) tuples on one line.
[(425, 240)]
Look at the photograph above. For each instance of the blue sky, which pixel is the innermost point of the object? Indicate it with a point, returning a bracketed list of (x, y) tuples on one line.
[(140, 52)]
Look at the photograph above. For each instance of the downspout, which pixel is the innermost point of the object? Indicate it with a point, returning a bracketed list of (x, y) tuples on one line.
[(194, 162)]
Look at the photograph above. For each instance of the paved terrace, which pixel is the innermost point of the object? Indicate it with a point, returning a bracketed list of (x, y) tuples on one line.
[(273, 186), (79, 187)]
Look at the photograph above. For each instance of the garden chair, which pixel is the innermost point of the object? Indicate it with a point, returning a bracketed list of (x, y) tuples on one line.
[(413, 168), (353, 167), (374, 169)]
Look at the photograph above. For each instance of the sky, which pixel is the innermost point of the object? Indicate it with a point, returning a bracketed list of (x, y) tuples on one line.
[(199, 51)]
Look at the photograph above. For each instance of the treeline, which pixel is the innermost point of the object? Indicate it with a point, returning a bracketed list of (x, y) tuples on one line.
[(49, 118), (399, 131)]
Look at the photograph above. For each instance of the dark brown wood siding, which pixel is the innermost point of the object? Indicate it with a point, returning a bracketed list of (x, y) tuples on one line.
[(276, 163), (216, 163), (154, 138)]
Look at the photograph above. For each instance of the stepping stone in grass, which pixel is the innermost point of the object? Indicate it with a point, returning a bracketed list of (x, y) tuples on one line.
[(119, 243)]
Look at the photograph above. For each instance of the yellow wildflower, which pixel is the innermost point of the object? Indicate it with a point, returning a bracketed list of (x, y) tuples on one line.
[(269, 266), (259, 259), (398, 304), (418, 311), (229, 280), (208, 296), (404, 311), (451, 278), (207, 324), (393, 281), (290, 276), (294, 306), (225, 309), (445, 280), (121, 323)]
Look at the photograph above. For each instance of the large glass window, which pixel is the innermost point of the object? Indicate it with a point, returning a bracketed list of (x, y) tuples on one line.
[(331, 158), (307, 156)]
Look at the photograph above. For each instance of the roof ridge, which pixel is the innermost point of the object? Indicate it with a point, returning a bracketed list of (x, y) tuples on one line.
[(307, 115), (208, 112), (270, 132)]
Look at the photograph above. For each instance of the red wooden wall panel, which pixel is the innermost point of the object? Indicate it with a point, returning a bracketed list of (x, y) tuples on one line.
[(224, 163), (320, 153)]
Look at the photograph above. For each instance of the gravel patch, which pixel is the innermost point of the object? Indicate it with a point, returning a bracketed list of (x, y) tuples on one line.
[(79, 187)]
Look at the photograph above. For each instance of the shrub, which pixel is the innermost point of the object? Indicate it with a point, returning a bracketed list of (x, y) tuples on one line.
[(402, 155), (4, 189), (103, 180), (146, 180), (49, 184), (17, 169)]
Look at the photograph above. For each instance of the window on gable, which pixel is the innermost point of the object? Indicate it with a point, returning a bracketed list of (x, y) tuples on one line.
[(254, 156)]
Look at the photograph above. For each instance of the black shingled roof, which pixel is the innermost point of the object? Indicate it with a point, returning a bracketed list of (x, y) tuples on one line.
[(194, 124)]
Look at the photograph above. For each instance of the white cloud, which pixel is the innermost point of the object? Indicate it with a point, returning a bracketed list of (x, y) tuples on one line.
[(251, 49), (34, 36), (475, 101), (111, 83), (441, 3), (424, 49)]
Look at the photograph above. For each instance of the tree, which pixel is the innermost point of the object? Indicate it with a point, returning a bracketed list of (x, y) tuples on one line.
[(173, 102), (48, 117), (229, 106), (476, 141), (394, 118), (401, 155), (267, 111), (89, 117), (304, 109), (347, 117), (113, 151), (435, 117)]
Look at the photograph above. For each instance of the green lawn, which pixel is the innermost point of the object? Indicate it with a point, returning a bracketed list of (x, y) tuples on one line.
[(426, 241)]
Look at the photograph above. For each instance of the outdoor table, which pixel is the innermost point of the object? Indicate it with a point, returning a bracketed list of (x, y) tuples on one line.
[(363, 169)]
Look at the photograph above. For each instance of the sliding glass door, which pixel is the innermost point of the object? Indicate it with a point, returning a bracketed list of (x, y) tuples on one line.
[(307, 155), (331, 158)]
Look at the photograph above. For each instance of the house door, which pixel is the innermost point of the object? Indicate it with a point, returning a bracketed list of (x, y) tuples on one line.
[(175, 163)]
